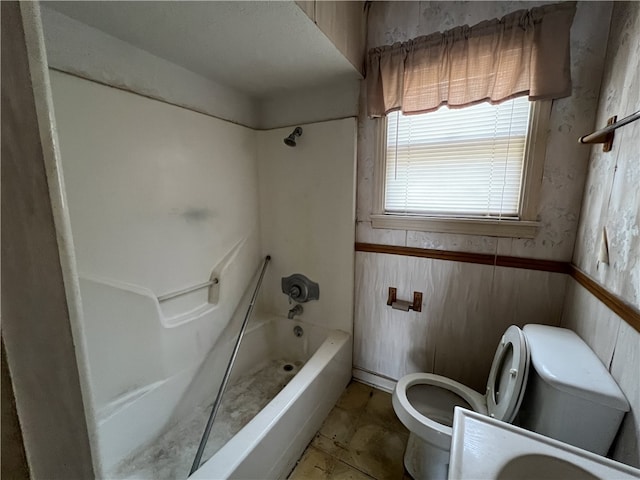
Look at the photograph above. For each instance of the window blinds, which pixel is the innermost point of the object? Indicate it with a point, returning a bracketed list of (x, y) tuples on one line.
[(457, 162)]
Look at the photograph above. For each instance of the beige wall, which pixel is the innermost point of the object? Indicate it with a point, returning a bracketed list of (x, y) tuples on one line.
[(612, 200), (36, 311), (468, 306)]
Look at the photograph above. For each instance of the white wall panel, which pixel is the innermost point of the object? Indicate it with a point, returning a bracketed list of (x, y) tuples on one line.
[(466, 309), (158, 196), (307, 210)]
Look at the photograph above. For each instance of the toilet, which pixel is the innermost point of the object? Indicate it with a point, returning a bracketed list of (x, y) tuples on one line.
[(543, 378)]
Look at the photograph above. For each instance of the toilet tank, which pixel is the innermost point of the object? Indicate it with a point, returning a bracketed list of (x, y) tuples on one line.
[(570, 395)]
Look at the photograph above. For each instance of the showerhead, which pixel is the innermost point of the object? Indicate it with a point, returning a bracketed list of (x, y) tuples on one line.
[(291, 139)]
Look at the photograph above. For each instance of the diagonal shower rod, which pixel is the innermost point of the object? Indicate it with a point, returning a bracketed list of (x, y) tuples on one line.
[(227, 373)]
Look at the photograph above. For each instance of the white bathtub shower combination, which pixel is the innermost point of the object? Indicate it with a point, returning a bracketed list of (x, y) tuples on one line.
[(161, 199), (261, 428)]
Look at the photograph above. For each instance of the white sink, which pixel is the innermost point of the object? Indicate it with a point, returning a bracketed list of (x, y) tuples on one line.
[(482, 447)]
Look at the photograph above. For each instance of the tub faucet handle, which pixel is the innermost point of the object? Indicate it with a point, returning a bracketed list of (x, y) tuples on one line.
[(294, 292), (299, 288)]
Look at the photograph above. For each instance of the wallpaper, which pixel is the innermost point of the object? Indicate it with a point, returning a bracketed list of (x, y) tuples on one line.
[(467, 307), (612, 191), (566, 161), (612, 201)]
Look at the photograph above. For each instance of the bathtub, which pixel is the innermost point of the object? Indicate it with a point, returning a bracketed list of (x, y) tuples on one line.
[(270, 444)]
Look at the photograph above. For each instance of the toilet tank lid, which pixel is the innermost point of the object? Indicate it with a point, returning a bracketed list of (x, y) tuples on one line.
[(563, 360)]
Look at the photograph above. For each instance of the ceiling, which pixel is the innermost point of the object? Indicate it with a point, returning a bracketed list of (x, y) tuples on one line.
[(255, 47)]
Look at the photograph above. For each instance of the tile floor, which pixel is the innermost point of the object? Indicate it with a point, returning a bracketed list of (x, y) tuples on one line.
[(361, 439)]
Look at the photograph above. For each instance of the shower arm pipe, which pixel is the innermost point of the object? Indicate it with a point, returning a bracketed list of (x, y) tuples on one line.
[(184, 291), (227, 373)]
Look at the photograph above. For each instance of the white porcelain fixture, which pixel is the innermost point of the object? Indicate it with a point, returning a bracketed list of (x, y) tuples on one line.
[(568, 384), (270, 444), (482, 447), (577, 384), (424, 403)]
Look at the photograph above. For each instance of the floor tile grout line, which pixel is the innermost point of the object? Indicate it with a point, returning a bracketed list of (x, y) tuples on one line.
[(350, 465), (339, 460), (360, 413), (358, 469)]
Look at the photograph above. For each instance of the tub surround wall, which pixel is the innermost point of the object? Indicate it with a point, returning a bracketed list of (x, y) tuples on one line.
[(208, 377), (307, 217), (612, 200), (145, 180), (144, 177), (145, 184), (385, 342)]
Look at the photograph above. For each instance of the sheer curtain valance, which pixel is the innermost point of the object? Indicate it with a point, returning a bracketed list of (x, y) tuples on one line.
[(523, 53)]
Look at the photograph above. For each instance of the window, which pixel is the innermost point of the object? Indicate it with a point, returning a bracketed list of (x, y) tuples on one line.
[(470, 170)]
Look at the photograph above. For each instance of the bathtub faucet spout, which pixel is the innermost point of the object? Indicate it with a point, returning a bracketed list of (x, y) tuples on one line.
[(297, 310)]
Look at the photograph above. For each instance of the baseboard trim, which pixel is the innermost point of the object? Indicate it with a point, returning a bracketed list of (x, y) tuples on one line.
[(383, 383)]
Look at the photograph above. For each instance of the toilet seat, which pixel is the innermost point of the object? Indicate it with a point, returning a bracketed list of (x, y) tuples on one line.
[(508, 376), (505, 390), (428, 429)]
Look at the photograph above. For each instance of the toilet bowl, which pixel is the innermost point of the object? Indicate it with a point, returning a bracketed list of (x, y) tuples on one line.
[(425, 402), (570, 396)]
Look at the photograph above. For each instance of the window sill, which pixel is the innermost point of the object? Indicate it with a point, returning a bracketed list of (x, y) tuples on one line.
[(464, 226)]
